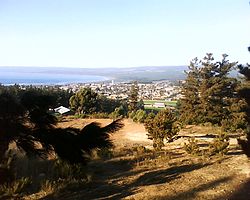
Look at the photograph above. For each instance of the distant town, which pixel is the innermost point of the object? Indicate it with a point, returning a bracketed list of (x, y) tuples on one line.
[(156, 90)]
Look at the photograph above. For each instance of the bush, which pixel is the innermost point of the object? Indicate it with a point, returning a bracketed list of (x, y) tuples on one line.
[(65, 170), (161, 126), (118, 113), (105, 153), (219, 145), (80, 116), (99, 115), (139, 116), (192, 147), (131, 115)]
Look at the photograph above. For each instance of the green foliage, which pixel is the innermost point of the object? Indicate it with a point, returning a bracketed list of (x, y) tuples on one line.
[(161, 126), (99, 115), (88, 102), (219, 145), (244, 93), (133, 98), (107, 105), (192, 147), (210, 95), (59, 97), (84, 101), (138, 116), (119, 112)]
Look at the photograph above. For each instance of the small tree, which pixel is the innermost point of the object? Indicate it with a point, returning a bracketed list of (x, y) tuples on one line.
[(133, 97), (160, 127)]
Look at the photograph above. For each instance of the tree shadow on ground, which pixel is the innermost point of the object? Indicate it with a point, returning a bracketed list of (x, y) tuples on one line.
[(191, 193), (166, 175), (119, 187), (242, 193)]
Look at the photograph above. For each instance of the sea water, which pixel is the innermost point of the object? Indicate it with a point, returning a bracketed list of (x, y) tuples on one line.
[(38, 76)]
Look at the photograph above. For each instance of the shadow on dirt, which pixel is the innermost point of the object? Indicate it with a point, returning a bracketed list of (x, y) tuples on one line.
[(166, 175), (191, 194), (243, 192), (114, 183)]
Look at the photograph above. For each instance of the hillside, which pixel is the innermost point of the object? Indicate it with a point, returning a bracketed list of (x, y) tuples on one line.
[(136, 173)]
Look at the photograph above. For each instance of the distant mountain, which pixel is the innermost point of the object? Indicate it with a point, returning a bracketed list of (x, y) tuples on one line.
[(149, 73), (142, 74)]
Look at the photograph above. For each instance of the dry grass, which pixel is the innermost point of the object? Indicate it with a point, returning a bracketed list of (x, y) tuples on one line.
[(131, 171)]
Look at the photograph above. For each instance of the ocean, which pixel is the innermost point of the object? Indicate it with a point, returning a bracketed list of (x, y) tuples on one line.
[(45, 76)]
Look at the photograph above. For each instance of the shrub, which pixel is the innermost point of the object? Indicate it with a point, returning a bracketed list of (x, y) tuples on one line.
[(100, 115), (139, 116), (105, 153), (219, 145), (118, 113), (162, 126), (65, 170), (192, 147), (131, 114)]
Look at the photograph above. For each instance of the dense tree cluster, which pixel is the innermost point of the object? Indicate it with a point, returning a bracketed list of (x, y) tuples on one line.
[(59, 96), (84, 101), (87, 101), (210, 94)]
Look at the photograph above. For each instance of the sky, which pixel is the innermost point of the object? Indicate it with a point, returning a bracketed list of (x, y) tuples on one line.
[(121, 33)]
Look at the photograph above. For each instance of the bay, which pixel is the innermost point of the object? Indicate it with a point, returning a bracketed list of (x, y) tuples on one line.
[(41, 76)]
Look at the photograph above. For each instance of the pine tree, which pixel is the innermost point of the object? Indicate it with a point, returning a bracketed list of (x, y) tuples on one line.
[(84, 101), (244, 92), (210, 95), (133, 97), (190, 102)]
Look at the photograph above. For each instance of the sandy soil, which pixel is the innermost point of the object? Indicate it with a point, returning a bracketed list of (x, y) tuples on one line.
[(131, 134), (171, 174)]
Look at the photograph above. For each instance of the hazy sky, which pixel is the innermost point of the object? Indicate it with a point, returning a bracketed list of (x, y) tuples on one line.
[(121, 33)]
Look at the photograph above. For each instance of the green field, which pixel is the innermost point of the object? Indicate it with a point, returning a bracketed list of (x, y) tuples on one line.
[(167, 103)]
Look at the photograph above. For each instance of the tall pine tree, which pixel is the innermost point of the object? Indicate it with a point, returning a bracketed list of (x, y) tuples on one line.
[(133, 97), (190, 103), (244, 92), (210, 94)]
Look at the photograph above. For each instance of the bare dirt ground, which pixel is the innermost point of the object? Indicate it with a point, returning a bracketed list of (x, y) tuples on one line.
[(135, 173)]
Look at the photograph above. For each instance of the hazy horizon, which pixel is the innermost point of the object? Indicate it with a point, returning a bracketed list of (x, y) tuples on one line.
[(121, 33)]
